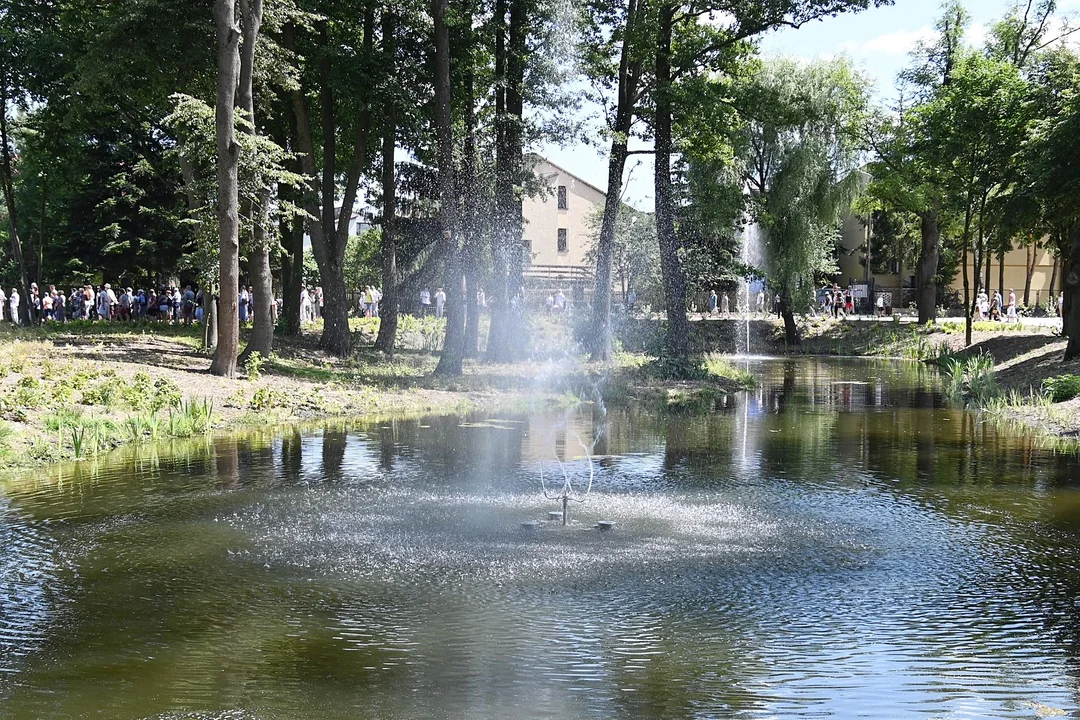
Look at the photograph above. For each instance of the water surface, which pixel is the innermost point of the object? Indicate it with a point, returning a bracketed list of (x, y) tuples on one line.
[(840, 542)]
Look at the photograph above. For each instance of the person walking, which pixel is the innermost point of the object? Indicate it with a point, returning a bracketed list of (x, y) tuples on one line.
[(725, 304)]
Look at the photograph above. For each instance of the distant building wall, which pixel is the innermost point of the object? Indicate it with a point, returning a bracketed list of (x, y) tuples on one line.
[(853, 244), (544, 219)]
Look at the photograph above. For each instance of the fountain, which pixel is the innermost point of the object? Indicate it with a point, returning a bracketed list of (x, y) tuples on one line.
[(567, 492), (751, 255)]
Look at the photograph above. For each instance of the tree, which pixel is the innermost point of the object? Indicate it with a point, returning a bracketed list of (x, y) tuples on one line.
[(801, 156), (454, 344), (388, 307), (635, 257), (262, 331), (686, 48), (332, 82), (228, 162), (906, 175)]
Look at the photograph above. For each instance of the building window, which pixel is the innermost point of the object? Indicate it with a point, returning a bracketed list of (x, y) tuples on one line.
[(562, 240), (562, 197)]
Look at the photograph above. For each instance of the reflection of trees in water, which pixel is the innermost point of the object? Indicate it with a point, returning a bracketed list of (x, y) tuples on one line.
[(333, 451)]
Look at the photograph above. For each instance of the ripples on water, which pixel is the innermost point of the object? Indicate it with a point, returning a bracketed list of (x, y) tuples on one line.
[(837, 543)]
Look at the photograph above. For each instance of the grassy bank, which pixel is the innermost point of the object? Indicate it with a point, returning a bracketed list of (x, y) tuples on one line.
[(81, 390)]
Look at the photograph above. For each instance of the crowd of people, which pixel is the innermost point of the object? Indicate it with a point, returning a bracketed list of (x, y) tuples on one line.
[(166, 304)]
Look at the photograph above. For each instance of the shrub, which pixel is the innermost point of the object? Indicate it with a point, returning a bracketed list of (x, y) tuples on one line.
[(253, 366), (1062, 387), (266, 398), (166, 394)]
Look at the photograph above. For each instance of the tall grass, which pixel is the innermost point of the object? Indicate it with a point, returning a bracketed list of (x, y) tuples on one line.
[(971, 379)]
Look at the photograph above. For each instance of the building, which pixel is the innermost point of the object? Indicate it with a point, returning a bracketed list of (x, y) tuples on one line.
[(560, 227), (856, 239)]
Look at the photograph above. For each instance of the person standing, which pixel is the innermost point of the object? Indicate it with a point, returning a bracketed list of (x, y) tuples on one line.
[(242, 306), (105, 301), (440, 302), (425, 302), (305, 305), (725, 304), (560, 302), (13, 305), (59, 311), (318, 305), (712, 302)]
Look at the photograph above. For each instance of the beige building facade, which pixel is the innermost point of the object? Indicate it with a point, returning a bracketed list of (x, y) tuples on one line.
[(854, 242), (559, 223)]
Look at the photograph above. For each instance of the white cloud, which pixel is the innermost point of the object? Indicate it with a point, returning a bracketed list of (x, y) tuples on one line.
[(977, 34), (900, 42)]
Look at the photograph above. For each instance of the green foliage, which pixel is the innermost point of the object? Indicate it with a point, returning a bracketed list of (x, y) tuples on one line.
[(801, 158), (267, 398), (1062, 387), (253, 366), (723, 368), (635, 254), (971, 378)]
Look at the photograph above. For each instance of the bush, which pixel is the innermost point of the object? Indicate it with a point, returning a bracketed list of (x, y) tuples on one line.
[(1062, 387), (253, 366)]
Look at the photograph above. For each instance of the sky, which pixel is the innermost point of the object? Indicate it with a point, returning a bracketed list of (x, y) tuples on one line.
[(877, 41)]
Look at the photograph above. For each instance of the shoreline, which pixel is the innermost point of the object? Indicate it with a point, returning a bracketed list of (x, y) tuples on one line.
[(136, 386), (68, 396)]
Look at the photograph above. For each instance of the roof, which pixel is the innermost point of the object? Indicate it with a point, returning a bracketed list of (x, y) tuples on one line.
[(541, 158)]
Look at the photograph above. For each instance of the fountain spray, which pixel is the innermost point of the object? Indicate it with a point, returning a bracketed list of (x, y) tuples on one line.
[(567, 493)]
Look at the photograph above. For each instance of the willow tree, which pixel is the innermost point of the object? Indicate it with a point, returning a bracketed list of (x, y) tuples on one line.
[(679, 43), (801, 155)]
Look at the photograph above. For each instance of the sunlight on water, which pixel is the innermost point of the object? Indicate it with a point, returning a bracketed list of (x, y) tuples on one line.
[(836, 542)]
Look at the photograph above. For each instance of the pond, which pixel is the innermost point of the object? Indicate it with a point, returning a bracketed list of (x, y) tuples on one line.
[(838, 542)]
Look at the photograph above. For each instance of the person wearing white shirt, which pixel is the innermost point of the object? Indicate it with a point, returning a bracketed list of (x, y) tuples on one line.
[(440, 302), (13, 305), (106, 300)]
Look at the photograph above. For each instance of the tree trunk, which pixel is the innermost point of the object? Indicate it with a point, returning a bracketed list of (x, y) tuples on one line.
[(926, 287), (624, 118), (228, 157), (454, 343), (1030, 258), (471, 221), (677, 336), (389, 305), (26, 309), (262, 283), (1071, 286), (1053, 281), (262, 279), (503, 230), (1001, 273), (329, 239), (791, 330), (508, 335), (966, 240), (292, 272)]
